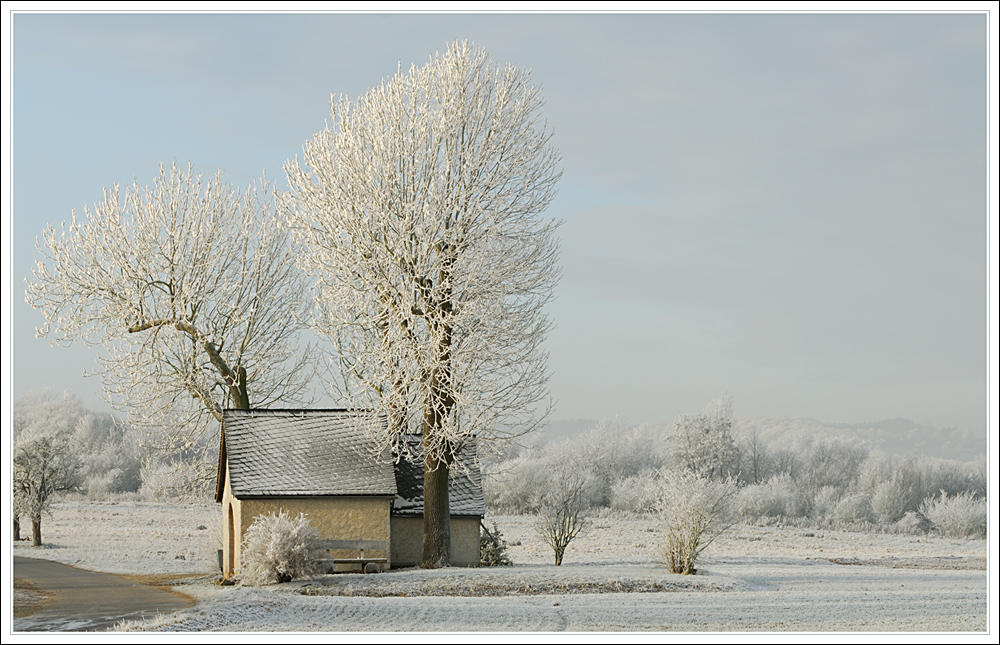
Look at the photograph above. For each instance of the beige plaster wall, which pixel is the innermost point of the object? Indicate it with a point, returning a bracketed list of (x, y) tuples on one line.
[(408, 536), (407, 541), (334, 518), (465, 541)]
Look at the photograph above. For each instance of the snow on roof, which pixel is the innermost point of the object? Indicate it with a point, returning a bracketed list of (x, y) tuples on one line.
[(303, 452)]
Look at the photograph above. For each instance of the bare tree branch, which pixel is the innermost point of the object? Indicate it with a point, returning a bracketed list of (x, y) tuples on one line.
[(190, 289)]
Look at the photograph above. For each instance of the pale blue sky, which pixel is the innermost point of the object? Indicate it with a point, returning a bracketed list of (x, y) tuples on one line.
[(788, 207)]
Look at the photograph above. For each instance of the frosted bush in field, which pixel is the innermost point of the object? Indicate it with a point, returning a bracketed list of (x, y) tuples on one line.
[(608, 451), (853, 508), (895, 486), (777, 497), (563, 512), (979, 475), (277, 548), (824, 502), (913, 523), (831, 462), (694, 511), (891, 500), (960, 516), (953, 477), (639, 493), (515, 485)]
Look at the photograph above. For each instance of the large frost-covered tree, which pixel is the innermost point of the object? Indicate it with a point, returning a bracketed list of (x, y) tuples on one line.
[(191, 290), (703, 443), (43, 467), (420, 210)]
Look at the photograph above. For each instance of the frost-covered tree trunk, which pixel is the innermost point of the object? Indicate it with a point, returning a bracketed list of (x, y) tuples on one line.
[(436, 551), (437, 517), (419, 209), (190, 289)]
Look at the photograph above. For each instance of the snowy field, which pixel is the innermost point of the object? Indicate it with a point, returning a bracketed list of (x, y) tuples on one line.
[(751, 579)]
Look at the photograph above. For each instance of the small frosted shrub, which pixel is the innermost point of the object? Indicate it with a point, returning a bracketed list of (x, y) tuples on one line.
[(825, 502), (895, 487), (891, 500), (563, 513), (913, 523), (493, 549), (694, 511), (852, 509), (777, 497), (963, 515), (277, 548)]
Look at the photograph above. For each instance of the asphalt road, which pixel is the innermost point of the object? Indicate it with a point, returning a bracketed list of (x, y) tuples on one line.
[(81, 600)]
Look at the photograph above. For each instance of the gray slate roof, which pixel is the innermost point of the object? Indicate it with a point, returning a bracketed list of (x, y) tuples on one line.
[(282, 453), (302, 452), (465, 484)]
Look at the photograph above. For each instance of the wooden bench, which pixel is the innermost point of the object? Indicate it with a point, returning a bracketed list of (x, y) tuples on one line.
[(361, 546)]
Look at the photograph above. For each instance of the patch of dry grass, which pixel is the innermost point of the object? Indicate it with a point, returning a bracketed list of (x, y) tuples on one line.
[(943, 562), (27, 598), (491, 583), (164, 582)]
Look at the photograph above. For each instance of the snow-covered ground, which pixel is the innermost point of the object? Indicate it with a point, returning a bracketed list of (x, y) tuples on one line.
[(751, 579)]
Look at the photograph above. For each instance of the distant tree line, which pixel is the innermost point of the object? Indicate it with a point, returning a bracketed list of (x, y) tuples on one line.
[(827, 483), (61, 447)]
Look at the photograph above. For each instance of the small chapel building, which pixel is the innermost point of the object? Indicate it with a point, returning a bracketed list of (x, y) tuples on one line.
[(367, 508)]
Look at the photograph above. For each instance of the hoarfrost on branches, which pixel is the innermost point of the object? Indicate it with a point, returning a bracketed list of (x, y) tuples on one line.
[(279, 548), (43, 467), (962, 515), (703, 443), (106, 448), (564, 506), (44, 462), (419, 208), (694, 511), (191, 291)]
